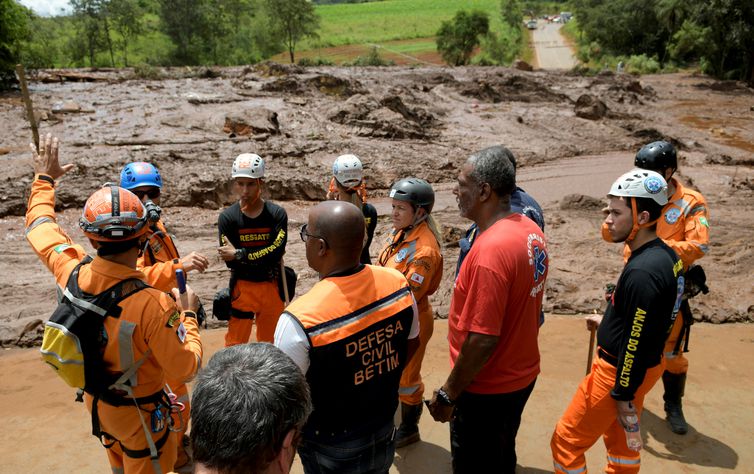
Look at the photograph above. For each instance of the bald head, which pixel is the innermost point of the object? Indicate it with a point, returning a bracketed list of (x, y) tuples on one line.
[(341, 224)]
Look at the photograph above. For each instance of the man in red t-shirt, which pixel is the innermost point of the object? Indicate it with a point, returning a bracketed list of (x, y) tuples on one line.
[(493, 321)]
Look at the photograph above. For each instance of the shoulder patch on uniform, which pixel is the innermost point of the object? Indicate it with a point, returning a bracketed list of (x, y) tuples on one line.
[(671, 217), (703, 221), (61, 248), (181, 333), (176, 316), (401, 255), (417, 278)]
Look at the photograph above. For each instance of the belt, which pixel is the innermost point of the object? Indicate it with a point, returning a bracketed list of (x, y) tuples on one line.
[(607, 357)]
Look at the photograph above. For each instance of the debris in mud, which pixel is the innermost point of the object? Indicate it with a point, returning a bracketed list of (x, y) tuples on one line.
[(511, 89), (69, 107), (589, 107), (580, 202), (451, 236), (727, 160), (305, 188), (199, 99), (324, 83), (251, 122), (388, 117), (522, 65), (269, 68)]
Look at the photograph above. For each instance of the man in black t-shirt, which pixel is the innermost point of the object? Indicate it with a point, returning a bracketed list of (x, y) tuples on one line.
[(631, 334), (253, 233)]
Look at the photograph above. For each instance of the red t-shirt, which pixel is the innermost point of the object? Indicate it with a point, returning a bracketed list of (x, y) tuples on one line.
[(499, 292)]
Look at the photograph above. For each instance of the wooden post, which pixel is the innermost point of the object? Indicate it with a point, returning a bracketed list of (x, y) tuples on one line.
[(592, 332), (27, 101)]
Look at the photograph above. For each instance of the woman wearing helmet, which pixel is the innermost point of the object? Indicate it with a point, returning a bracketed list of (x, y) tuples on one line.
[(159, 261), (253, 233), (414, 249), (347, 184)]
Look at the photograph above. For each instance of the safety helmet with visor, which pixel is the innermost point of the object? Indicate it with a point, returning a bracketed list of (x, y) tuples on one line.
[(113, 214)]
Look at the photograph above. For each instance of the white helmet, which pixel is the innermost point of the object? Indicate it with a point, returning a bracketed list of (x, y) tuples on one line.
[(248, 165), (348, 171), (641, 183)]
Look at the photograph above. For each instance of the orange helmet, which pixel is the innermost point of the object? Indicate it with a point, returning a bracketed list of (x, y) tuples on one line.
[(113, 214)]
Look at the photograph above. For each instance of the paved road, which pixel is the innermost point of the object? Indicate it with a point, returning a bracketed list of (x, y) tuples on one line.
[(552, 52)]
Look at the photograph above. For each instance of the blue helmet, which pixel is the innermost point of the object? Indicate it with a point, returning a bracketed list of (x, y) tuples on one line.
[(139, 174)]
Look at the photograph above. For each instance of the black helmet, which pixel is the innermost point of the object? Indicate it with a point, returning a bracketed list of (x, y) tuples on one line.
[(415, 191), (656, 156)]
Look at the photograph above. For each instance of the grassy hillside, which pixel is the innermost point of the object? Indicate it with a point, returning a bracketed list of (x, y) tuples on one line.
[(375, 22)]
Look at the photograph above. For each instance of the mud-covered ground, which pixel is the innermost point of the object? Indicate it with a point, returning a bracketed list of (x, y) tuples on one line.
[(401, 121)]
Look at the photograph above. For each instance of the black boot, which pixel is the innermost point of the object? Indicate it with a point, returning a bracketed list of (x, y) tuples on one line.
[(674, 386), (408, 432)]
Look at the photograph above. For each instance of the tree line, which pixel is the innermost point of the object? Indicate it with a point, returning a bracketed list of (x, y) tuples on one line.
[(718, 34), (105, 33)]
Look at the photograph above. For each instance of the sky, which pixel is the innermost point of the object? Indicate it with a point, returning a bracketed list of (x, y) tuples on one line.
[(47, 7)]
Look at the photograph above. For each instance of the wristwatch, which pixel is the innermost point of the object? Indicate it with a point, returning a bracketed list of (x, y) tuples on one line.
[(444, 398), (239, 254), (189, 314)]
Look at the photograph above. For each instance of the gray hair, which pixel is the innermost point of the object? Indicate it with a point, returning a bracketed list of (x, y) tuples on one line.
[(246, 400), (494, 166)]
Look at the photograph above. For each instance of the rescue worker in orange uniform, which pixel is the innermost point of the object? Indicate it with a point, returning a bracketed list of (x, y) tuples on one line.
[(347, 184), (351, 335), (413, 249), (253, 234), (630, 337), (154, 337), (684, 227), (158, 261)]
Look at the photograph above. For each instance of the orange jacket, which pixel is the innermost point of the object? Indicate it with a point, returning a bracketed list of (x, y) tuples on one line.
[(683, 225), (160, 260), (149, 325), (418, 257)]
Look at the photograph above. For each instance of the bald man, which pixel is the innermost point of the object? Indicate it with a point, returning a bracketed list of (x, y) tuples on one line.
[(352, 335)]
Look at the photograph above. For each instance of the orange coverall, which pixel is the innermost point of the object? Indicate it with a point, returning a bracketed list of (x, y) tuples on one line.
[(419, 258), (684, 227), (158, 263), (149, 328)]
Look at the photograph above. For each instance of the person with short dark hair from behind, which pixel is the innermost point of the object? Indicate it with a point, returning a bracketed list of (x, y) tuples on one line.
[(249, 406)]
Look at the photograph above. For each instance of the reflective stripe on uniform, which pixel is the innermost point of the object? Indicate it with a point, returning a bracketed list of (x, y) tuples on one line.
[(118, 470), (559, 468), (84, 304), (359, 314), (409, 390), (38, 221), (125, 348), (411, 251), (684, 205), (624, 461)]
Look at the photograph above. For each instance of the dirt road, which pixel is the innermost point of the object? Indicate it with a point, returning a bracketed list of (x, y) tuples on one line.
[(551, 48), (45, 431)]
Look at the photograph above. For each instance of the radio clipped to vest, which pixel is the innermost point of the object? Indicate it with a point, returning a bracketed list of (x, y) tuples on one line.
[(74, 338)]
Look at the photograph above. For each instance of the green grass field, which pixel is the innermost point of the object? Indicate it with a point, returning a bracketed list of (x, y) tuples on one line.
[(376, 22)]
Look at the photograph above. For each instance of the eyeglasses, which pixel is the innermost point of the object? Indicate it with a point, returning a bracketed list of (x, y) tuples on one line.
[(151, 193), (305, 235)]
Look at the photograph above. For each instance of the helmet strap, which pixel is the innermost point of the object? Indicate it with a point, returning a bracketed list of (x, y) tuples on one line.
[(636, 225)]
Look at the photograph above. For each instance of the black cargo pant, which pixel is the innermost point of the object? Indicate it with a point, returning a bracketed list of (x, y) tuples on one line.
[(483, 433)]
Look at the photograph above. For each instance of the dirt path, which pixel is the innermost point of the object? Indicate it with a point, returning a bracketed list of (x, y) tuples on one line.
[(551, 48), (45, 431)]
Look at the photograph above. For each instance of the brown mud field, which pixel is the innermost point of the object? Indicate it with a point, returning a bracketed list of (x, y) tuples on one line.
[(401, 121)]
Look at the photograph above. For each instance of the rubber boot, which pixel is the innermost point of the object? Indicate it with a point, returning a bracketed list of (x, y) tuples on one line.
[(674, 386), (408, 432)]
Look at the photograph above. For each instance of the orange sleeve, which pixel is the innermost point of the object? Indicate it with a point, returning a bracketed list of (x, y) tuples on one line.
[(160, 275), (174, 341), (53, 246), (695, 241), (421, 272)]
